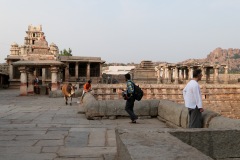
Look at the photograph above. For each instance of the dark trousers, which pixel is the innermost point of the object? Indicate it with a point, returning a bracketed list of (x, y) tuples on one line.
[(129, 108), (195, 118)]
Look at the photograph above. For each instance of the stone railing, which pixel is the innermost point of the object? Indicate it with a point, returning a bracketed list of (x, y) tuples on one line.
[(95, 109), (176, 116), (221, 98), (172, 113)]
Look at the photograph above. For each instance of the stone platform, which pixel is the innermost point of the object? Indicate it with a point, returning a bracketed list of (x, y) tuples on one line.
[(41, 128)]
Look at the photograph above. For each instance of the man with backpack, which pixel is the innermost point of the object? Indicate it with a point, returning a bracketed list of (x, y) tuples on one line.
[(129, 97)]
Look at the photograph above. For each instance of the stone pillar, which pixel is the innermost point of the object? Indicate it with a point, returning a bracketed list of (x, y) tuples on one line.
[(207, 75), (185, 74), (215, 78), (67, 72), (157, 74), (10, 71), (190, 75), (176, 75), (226, 75), (203, 73), (88, 71), (23, 81), (54, 71), (166, 75), (169, 75), (59, 74), (43, 76), (162, 74), (30, 88), (76, 70), (180, 74), (100, 66)]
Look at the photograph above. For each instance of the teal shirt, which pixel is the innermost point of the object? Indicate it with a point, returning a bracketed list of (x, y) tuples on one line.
[(130, 87)]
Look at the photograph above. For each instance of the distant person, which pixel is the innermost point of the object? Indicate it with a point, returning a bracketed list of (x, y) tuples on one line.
[(193, 100), (128, 96), (87, 87), (36, 81)]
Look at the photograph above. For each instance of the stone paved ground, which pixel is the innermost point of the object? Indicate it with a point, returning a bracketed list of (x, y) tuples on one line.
[(41, 128)]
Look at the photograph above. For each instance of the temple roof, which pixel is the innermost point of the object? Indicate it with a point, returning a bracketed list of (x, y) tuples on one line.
[(80, 59), (37, 63)]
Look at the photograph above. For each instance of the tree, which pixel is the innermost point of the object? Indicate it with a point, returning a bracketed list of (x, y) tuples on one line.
[(65, 52), (236, 56)]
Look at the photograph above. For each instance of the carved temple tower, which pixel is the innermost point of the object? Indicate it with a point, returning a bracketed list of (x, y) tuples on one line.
[(37, 58)]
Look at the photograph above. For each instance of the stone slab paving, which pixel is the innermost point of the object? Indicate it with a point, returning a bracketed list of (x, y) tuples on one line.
[(37, 127)]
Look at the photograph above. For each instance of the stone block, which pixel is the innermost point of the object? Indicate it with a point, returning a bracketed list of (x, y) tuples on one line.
[(111, 138), (224, 122), (170, 111), (112, 106), (208, 115), (154, 108), (49, 143), (184, 117), (216, 143), (77, 139), (97, 137), (91, 106), (107, 108), (142, 108), (102, 108), (225, 144), (152, 144), (90, 152)]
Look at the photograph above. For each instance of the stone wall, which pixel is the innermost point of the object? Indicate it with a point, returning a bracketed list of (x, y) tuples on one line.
[(112, 109), (232, 78), (221, 98)]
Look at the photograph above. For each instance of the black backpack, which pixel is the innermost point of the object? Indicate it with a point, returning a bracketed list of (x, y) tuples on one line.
[(138, 93)]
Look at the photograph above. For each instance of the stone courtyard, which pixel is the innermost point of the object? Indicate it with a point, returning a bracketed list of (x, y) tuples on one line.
[(41, 128), (38, 127)]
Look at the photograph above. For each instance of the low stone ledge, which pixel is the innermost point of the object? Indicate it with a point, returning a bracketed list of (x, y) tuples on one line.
[(208, 115), (224, 122), (216, 143), (107, 108), (176, 115), (135, 144), (168, 123), (172, 112)]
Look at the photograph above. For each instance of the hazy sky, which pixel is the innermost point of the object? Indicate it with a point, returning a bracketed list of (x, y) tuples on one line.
[(125, 30)]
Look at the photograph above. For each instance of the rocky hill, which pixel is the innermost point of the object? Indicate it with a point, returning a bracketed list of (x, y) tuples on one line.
[(230, 57)]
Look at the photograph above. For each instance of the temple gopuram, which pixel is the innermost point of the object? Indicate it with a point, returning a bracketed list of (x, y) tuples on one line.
[(38, 59)]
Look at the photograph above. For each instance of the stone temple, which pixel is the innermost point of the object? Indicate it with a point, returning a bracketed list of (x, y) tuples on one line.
[(37, 58)]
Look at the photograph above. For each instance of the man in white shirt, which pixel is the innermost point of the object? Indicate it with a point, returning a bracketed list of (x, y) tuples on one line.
[(193, 100)]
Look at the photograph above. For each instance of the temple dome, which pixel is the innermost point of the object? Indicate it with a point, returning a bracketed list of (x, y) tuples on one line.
[(14, 44)]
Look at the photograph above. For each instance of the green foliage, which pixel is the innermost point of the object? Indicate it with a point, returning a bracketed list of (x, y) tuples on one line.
[(65, 52), (236, 56)]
